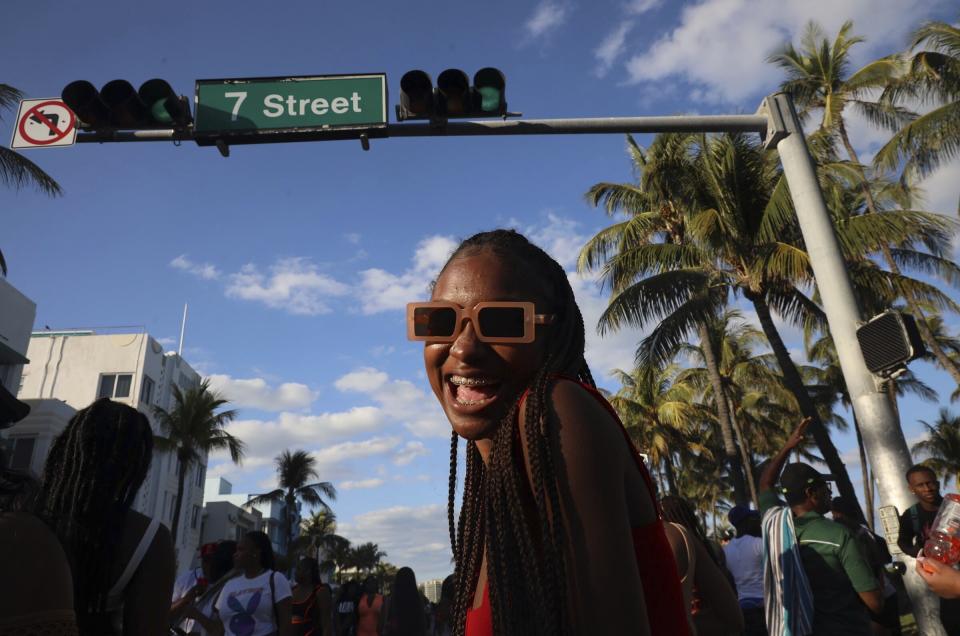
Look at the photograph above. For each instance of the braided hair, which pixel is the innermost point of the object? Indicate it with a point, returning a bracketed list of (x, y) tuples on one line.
[(527, 568), (92, 474)]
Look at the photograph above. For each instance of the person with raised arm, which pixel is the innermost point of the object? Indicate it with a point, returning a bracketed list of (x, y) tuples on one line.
[(816, 578)]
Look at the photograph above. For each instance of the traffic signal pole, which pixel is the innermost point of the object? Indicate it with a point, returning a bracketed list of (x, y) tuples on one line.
[(777, 122), (882, 436), (584, 126)]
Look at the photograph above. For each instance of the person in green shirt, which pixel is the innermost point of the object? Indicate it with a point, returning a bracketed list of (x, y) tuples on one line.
[(842, 582)]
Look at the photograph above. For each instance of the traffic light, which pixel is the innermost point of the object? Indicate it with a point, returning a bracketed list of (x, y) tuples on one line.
[(889, 341), (118, 105), (454, 96)]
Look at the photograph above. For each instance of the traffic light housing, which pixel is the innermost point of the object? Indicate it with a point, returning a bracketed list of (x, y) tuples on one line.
[(889, 341), (118, 105), (454, 96)]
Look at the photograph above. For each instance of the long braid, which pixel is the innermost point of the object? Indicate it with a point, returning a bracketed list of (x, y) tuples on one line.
[(93, 472), (452, 492), (526, 558)]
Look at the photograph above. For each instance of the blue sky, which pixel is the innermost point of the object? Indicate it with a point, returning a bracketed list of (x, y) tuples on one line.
[(296, 259)]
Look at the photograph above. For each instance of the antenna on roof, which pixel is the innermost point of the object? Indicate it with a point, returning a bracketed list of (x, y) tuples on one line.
[(183, 325)]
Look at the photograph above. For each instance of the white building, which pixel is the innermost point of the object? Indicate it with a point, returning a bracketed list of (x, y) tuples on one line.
[(431, 589), (223, 521), (70, 369), (219, 489), (17, 313)]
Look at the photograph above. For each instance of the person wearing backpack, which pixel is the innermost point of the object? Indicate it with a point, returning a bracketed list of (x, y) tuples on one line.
[(915, 523), (257, 602)]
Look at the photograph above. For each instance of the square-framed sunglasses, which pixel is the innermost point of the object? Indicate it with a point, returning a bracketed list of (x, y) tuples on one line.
[(493, 322)]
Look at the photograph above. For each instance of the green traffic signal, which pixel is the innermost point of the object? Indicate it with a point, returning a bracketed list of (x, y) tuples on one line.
[(489, 84), (453, 97)]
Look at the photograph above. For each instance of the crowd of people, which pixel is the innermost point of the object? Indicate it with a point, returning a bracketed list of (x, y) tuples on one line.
[(560, 530)]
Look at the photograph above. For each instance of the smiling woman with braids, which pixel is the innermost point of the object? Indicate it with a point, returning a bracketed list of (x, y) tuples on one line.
[(559, 532), (122, 561)]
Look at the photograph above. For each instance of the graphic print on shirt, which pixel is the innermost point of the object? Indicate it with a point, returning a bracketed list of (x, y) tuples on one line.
[(243, 623)]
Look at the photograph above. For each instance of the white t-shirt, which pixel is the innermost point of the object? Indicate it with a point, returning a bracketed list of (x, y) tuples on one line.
[(246, 607), (745, 562)]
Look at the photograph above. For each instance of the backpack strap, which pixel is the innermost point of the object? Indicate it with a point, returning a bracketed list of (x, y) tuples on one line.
[(915, 519), (273, 599)]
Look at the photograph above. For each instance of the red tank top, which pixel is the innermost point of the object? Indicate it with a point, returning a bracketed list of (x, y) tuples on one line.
[(662, 591)]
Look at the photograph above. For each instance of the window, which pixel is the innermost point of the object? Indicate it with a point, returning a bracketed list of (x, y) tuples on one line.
[(173, 504), (146, 391), (195, 518), (200, 471), (115, 385), (22, 453)]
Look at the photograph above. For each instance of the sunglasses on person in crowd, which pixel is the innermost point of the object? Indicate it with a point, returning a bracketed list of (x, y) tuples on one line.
[(493, 322)]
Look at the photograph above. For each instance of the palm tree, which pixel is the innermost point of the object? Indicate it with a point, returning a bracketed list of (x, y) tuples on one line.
[(367, 556), (295, 470), (658, 413), (818, 77), (319, 532), (942, 445), (193, 429), (657, 208), (16, 170), (933, 79), (341, 553)]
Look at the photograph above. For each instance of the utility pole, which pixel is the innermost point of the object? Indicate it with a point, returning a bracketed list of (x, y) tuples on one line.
[(882, 436)]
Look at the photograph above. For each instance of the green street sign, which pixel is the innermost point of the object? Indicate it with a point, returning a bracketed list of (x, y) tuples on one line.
[(277, 105)]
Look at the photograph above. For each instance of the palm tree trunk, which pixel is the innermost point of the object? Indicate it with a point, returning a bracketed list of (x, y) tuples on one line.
[(671, 476), (744, 453), (181, 478), (740, 495), (865, 473), (794, 384), (943, 359)]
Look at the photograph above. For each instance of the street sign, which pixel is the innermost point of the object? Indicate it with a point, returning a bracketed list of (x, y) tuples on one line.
[(44, 123), (232, 108)]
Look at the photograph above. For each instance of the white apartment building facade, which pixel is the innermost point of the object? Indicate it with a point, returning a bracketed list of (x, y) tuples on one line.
[(218, 489), (70, 369), (17, 313)]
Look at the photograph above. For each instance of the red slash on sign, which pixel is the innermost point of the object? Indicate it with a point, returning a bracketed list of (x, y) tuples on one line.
[(55, 133)]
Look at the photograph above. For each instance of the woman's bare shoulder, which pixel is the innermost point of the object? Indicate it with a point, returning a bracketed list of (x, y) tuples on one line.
[(584, 421)]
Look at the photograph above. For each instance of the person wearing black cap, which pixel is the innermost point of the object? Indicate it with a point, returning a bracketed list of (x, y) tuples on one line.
[(744, 555), (840, 578)]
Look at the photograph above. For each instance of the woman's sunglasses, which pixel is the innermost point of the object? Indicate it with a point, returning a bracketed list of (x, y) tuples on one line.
[(493, 322)]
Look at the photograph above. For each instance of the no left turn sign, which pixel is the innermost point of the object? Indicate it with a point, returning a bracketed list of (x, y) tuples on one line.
[(44, 123)]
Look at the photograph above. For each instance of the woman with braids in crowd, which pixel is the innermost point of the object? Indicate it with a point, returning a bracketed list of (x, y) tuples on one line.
[(122, 562), (559, 531), (709, 594)]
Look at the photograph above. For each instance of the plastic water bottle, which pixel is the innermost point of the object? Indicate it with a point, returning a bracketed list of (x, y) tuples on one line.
[(944, 541)]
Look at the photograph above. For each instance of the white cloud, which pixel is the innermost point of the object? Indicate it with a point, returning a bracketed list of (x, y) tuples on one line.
[(205, 271), (410, 452), (548, 16), (256, 393), (720, 46), (380, 290), (352, 237), (365, 380), (167, 342), (411, 536), (403, 400), (265, 439), (295, 285), (613, 46), (637, 7), (351, 484)]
